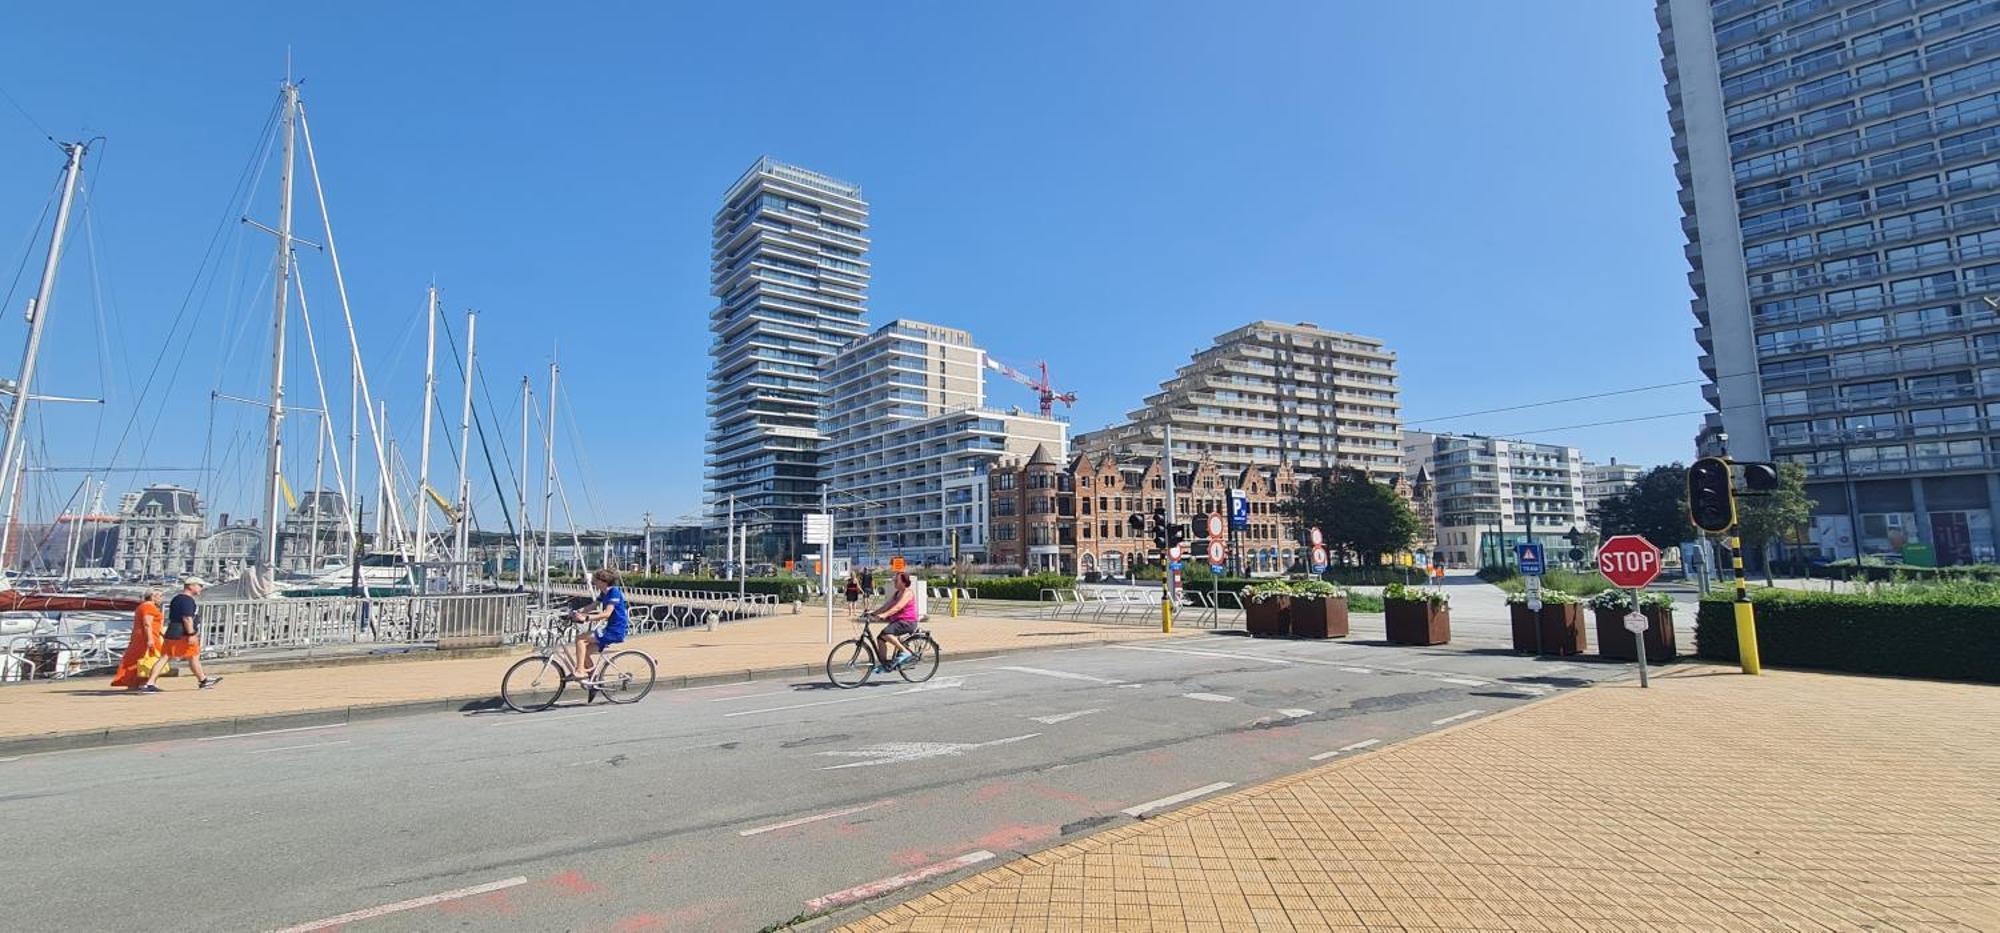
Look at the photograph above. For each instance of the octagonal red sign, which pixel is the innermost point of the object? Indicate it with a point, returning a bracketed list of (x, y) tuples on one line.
[(1629, 561)]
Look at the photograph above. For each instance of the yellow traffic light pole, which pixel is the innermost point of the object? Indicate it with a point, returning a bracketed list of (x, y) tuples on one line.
[(1711, 491), (1746, 614)]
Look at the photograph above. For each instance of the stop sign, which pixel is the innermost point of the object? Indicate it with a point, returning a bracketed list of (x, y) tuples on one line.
[(1629, 561)]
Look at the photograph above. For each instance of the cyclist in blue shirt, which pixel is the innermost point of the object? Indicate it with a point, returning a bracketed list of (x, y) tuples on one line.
[(610, 610)]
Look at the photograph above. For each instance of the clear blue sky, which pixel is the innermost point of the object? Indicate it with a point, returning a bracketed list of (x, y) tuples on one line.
[(1488, 187)]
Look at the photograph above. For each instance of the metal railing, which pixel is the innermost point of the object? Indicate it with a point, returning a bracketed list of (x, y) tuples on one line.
[(237, 625)]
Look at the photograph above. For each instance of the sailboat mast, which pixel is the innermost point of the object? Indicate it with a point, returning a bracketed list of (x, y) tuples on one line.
[(430, 399), (521, 482), (10, 456), (281, 292), (548, 479), (464, 537)]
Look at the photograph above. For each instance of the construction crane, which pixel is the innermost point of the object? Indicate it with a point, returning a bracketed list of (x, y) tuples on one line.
[(1047, 393)]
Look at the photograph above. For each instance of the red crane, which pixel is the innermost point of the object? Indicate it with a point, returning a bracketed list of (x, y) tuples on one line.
[(1047, 393)]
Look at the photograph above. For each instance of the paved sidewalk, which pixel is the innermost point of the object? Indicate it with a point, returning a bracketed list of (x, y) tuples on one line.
[(1714, 801), (779, 643)]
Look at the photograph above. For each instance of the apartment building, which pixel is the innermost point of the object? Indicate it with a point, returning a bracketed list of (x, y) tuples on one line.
[(1601, 481), (1839, 168), (1490, 494), (909, 444), (1268, 394)]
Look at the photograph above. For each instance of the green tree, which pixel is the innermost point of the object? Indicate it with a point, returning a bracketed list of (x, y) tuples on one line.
[(1778, 516), (1355, 514), (1655, 506)]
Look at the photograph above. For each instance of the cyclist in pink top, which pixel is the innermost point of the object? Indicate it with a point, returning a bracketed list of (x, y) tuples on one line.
[(901, 614)]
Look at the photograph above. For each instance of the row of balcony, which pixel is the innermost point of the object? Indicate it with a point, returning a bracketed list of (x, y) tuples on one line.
[(1851, 468), (1905, 399), (1782, 439), (1958, 324), (1777, 17), (1892, 363)]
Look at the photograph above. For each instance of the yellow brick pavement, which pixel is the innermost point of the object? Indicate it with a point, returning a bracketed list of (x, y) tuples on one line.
[(1714, 801), (777, 642)]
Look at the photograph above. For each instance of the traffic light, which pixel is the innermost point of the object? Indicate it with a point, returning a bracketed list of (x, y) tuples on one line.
[(1137, 523), (1760, 478), (1711, 501), (1198, 525), (1177, 534), (1160, 528)]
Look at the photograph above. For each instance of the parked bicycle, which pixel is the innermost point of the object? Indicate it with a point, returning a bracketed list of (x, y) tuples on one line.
[(852, 662), (537, 681)]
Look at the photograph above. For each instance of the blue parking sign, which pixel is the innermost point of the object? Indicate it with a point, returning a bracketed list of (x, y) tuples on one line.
[(1530, 558), (1239, 509)]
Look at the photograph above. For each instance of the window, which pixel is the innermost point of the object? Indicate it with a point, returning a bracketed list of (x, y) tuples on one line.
[(1847, 237), (1979, 245), (1846, 173), (1893, 100), (1947, 385), (1944, 420), (1923, 288), (1831, 147), (1869, 391), (1983, 175), (1791, 340), (1925, 320), (1854, 299), (1769, 134), (1891, 132), (1961, 80), (1840, 208), (1887, 70), (1854, 267), (1919, 256)]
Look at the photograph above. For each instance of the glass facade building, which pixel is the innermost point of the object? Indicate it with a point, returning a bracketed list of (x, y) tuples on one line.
[(790, 275), (1839, 167)]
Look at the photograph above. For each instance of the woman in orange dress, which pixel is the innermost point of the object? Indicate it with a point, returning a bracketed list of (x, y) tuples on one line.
[(146, 640)]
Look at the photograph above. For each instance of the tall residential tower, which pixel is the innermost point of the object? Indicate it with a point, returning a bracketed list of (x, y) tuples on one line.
[(1839, 166), (790, 274)]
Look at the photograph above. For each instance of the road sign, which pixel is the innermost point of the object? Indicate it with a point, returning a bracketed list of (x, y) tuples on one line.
[(1635, 622), (819, 528), (1318, 555), (1174, 555), (1175, 566), (1317, 538), (1628, 561), (1215, 528), (1239, 509), (1422, 559), (1218, 553), (1530, 558), (896, 565)]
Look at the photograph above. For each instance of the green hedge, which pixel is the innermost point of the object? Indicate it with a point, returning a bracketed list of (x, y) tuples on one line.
[(1875, 572), (1947, 633)]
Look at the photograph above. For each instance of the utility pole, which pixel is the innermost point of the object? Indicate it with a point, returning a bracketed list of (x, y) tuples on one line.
[(10, 471), (826, 561), (464, 539)]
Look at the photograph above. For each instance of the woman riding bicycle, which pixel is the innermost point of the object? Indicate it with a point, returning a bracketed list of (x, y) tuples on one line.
[(901, 614), (610, 610)]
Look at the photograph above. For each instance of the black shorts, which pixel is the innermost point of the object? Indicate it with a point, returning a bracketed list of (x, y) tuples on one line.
[(899, 629)]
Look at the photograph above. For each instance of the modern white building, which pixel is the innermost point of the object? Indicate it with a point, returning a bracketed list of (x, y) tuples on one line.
[(909, 443), (1601, 481), (1490, 494), (1839, 169), (1268, 394), (791, 281)]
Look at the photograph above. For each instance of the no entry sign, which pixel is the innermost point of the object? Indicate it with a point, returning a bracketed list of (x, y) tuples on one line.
[(1628, 561)]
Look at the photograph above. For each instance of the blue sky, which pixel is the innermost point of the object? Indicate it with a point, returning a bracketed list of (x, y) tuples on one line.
[(1487, 187)]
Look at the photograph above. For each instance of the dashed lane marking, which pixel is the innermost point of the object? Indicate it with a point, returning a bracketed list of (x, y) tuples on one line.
[(801, 821), (1468, 714), (1064, 717), (1322, 756), (399, 906), (1062, 675), (1151, 805), (531, 718), (1203, 654), (294, 748), (1209, 697), (862, 892), (1295, 713), (252, 735)]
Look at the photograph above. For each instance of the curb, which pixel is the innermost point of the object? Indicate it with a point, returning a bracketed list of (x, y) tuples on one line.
[(343, 715)]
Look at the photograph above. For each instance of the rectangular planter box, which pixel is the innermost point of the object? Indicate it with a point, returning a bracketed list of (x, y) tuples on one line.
[(1414, 622), (1319, 618), (1522, 623), (1615, 643), (1563, 630), (1270, 618)]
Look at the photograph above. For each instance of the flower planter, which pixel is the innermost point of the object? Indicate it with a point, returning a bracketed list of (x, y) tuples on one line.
[(1416, 622), (1319, 617), (1563, 631), (1268, 618), (1615, 643), (1522, 621)]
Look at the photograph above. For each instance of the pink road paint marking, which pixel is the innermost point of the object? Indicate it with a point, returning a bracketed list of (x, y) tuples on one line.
[(801, 821), (400, 906), (862, 892), (572, 883)]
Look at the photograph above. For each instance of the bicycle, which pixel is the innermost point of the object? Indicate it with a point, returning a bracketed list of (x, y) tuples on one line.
[(852, 662), (537, 681)]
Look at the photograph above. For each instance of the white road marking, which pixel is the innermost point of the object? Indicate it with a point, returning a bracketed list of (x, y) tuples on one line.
[(515, 721), (863, 892), (801, 821), (1064, 717), (1202, 654), (1065, 675), (1461, 681), (411, 904), (1322, 756), (752, 696), (247, 735), (1209, 697), (1131, 685), (1151, 805), (945, 684), (1295, 713), (1468, 714), (293, 748), (895, 753), (1359, 670)]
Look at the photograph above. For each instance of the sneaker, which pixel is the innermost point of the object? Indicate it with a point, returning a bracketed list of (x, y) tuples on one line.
[(904, 658), (210, 682), (152, 688)]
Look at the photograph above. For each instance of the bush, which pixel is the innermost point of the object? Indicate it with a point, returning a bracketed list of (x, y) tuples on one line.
[(1496, 574), (1397, 592), (1024, 589), (1569, 582), (1875, 570), (1945, 631)]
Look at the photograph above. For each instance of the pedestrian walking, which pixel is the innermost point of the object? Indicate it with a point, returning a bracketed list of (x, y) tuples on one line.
[(867, 582), (144, 650), (853, 593), (184, 634)]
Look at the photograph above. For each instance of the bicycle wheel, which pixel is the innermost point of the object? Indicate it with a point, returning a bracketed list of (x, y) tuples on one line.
[(924, 662), (850, 663), (533, 684), (626, 677)]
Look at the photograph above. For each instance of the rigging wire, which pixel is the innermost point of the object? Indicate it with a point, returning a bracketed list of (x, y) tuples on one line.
[(28, 244), (23, 111), (478, 423)]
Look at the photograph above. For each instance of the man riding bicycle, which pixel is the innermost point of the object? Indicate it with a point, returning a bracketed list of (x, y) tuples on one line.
[(610, 610), (901, 614)]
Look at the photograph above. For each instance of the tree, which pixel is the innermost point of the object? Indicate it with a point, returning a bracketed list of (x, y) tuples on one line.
[(1355, 514), (1655, 506), (1777, 516)]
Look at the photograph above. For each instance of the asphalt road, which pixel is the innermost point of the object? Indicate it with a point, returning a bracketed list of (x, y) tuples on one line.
[(724, 808)]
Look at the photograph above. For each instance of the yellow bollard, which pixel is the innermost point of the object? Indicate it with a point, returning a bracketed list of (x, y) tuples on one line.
[(954, 603), (1167, 615)]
